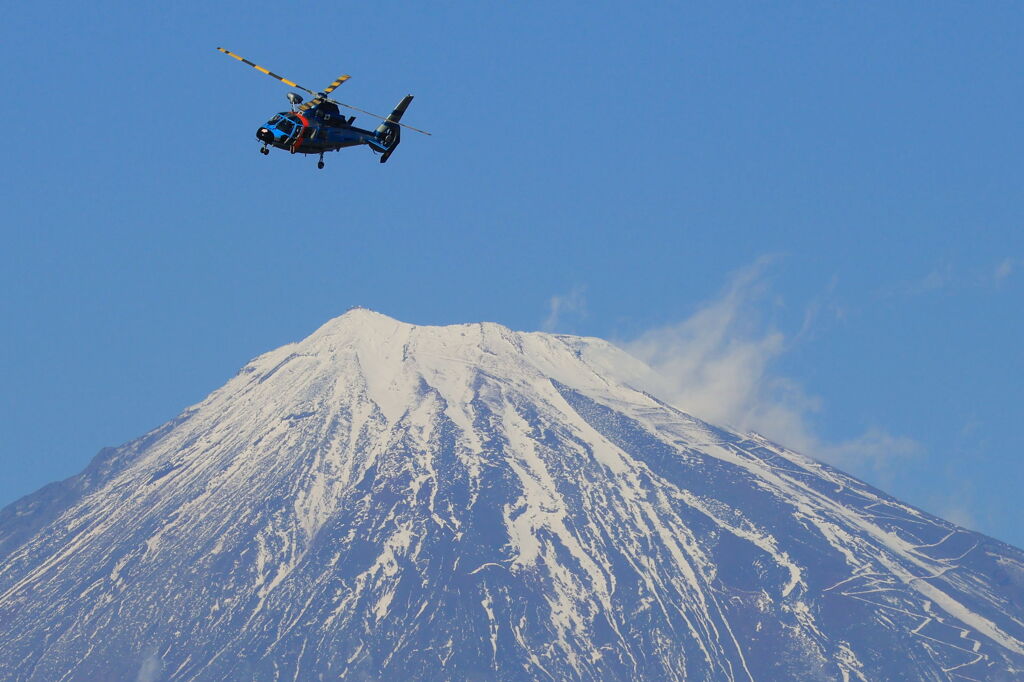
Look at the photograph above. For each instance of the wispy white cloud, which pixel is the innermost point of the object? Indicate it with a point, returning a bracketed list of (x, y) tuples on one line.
[(823, 306), (876, 449), (960, 514), (947, 278), (1004, 269), (720, 364), (938, 278), (715, 363), (562, 307)]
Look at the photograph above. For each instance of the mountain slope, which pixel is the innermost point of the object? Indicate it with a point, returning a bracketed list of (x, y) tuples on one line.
[(383, 500)]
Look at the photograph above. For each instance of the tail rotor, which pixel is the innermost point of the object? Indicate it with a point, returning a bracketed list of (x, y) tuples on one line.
[(389, 133)]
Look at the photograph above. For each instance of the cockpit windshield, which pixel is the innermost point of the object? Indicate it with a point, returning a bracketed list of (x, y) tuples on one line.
[(277, 117)]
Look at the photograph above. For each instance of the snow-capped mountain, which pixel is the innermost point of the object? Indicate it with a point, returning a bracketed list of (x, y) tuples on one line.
[(390, 501)]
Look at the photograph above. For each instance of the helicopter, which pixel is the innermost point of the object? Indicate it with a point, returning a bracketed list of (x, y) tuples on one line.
[(319, 126)]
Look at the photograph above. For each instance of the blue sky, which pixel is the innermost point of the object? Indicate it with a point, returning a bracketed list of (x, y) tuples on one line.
[(819, 201)]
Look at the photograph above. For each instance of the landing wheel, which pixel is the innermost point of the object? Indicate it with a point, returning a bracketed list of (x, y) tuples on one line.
[(264, 151), (320, 163)]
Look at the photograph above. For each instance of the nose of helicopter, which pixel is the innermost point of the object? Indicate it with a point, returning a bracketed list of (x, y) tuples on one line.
[(264, 135)]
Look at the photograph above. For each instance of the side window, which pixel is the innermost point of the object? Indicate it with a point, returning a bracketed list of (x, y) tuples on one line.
[(286, 127)]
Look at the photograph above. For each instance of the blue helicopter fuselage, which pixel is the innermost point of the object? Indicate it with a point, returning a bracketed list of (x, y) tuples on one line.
[(321, 128)]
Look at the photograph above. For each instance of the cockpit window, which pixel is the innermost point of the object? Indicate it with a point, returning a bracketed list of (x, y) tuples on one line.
[(285, 126), (277, 117)]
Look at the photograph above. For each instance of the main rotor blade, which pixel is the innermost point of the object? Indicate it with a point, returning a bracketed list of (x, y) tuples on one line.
[(266, 71), (370, 113), (320, 96), (330, 88)]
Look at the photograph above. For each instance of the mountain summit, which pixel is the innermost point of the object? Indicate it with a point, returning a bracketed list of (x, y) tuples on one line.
[(389, 501)]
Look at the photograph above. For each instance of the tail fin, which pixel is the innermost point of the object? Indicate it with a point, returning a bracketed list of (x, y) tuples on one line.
[(390, 134)]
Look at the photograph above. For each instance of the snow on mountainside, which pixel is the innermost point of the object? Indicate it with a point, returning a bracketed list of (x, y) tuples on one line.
[(389, 501)]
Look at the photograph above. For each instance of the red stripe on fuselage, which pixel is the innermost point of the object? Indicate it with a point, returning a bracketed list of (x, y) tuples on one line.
[(298, 141)]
